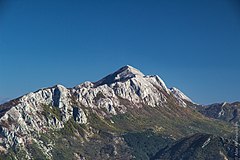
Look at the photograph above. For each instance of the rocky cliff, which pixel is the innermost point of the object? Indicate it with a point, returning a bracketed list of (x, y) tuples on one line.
[(122, 102)]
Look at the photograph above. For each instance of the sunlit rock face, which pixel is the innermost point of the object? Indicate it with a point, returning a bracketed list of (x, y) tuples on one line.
[(126, 83), (182, 98), (50, 108), (27, 116)]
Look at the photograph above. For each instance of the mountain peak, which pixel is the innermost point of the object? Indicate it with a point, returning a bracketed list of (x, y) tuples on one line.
[(126, 70), (179, 94), (122, 74)]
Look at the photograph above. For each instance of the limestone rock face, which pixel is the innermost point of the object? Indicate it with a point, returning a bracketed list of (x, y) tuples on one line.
[(22, 119), (180, 95), (27, 116), (79, 115), (127, 83)]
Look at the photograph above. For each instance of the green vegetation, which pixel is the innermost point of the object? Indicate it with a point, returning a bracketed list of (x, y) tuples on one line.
[(14, 153), (102, 123), (142, 133), (71, 127), (49, 111), (34, 150), (168, 121), (67, 140), (146, 144), (200, 147), (9, 156)]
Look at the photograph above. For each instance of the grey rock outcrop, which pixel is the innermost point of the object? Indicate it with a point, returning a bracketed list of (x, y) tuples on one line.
[(51, 108)]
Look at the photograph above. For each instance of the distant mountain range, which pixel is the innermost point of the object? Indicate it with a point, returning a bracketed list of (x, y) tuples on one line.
[(125, 115)]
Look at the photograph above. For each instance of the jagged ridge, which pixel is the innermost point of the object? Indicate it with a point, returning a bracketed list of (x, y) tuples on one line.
[(124, 92)]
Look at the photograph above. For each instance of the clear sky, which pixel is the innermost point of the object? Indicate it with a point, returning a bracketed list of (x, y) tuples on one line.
[(192, 45)]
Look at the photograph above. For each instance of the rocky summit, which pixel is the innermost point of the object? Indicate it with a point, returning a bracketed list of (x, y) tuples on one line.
[(125, 115)]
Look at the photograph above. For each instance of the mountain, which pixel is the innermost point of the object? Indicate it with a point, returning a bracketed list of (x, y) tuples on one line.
[(229, 112), (201, 147), (107, 119)]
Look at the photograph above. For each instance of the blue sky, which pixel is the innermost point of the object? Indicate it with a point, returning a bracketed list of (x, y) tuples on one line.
[(192, 45)]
